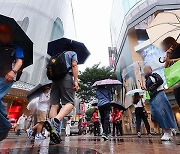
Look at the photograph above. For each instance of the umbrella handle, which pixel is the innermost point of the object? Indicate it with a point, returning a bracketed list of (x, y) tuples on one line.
[(161, 60)]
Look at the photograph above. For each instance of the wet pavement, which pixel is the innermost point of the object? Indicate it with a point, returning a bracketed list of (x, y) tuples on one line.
[(90, 145)]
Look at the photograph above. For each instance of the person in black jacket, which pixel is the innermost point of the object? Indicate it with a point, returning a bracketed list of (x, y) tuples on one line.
[(160, 106)]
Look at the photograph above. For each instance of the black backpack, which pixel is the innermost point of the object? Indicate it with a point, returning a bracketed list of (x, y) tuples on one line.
[(57, 67)]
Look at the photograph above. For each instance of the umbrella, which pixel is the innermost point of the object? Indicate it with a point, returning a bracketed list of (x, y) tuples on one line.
[(132, 92), (118, 105), (57, 46), (94, 104), (164, 25), (36, 92), (20, 39), (106, 82)]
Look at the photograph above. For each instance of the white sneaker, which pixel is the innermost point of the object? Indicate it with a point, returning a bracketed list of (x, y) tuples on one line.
[(29, 132), (173, 132), (139, 134), (39, 137), (166, 137)]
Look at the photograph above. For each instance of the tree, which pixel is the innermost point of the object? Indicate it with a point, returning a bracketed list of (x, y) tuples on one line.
[(88, 77)]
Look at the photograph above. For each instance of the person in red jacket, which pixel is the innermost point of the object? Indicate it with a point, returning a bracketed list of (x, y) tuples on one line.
[(95, 119)]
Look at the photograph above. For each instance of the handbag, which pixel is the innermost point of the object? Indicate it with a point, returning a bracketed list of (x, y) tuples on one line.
[(172, 75)]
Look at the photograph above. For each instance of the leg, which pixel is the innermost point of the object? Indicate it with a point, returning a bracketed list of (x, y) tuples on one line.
[(120, 129), (146, 124), (101, 111), (39, 127), (53, 111), (138, 122), (114, 128), (106, 118), (5, 124)]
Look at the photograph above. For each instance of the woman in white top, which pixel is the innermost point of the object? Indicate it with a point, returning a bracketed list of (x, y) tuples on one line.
[(141, 114)]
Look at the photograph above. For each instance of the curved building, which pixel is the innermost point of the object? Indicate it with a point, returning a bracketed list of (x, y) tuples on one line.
[(130, 48), (43, 21)]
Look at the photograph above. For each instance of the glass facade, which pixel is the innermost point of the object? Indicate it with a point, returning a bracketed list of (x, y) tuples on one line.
[(43, 21)]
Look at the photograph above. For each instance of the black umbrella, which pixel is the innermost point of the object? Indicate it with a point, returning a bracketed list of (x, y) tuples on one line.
[(20, 39), (118, 105), (94, 104), (37, 91), (57, 46)]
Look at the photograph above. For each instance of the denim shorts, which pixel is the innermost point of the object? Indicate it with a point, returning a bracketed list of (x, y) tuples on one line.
[(62, 91)]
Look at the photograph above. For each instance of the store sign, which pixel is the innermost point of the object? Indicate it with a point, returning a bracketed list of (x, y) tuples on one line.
[(23, 86)]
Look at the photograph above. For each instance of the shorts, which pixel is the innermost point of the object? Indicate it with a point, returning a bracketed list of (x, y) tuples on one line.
[(41, 116), (62, 91)]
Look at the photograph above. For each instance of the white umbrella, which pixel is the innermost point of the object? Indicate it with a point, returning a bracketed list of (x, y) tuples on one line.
[(164, 25), (106, 82), (132, 92)]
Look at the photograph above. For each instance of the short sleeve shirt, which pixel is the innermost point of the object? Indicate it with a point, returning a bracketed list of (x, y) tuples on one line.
[(19, 54), (70, 56)]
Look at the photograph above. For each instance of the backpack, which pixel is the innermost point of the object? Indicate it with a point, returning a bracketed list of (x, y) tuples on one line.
[(57, 67)]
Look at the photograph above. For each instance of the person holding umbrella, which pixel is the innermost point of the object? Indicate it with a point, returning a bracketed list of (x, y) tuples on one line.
[(63, 88), (172, 48), (141, 114), (11, 61), (103, 94)]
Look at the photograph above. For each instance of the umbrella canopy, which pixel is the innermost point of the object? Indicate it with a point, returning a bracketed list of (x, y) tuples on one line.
[(57, 46), (106, 82), (164, 25), (118, 105), (20, 39), (36, 92), (132, 92)]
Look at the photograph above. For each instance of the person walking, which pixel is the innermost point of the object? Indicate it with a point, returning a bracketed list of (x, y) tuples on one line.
[(21, 124), (95, 119), (140, 114), (172, 48), (63, 89), (103, 95), (68, 127), (11, 61), (160, 106), (42, 111)]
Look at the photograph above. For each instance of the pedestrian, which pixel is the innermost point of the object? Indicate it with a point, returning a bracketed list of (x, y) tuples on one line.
[(119, 122), (140, 114), (95, 119), (68, 127), (103, 95), (32, 107), (160, 106), (42, 112), (11, 61), (21, 124), (172, 48), (63, 89)]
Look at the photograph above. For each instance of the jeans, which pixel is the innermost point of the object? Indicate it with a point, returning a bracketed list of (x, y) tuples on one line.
[(105, 112), (5, 124), (117, 128), (140, 116)]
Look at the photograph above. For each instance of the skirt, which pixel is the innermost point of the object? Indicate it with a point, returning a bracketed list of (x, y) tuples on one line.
[(161, 111)]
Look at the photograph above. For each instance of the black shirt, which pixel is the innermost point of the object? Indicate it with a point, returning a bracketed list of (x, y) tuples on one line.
[(175, 53)]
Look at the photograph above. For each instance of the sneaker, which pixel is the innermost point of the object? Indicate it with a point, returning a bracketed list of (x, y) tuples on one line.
[(53, 128), (173, 132), (105, 137), (166, 137), (39, 137), (149, 135), (29, 133), (139, 134)]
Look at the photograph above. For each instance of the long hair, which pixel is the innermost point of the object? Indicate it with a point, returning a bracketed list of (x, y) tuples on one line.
[(136, 98), (170, 42)]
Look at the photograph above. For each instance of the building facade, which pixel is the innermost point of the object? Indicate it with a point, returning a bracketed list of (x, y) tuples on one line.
[(42, 21), (128, 23)]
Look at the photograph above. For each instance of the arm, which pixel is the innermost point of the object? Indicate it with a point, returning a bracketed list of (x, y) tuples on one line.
[(75, 75), (10, 76)]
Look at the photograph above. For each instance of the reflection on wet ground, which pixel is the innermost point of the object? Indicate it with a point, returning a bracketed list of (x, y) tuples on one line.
[(91, 145)]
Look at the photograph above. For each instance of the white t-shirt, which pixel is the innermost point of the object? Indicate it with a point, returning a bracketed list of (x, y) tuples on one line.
[(44, 103), (139, 104)]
